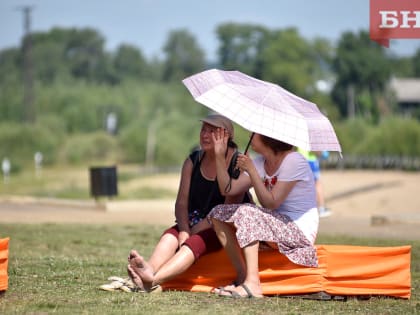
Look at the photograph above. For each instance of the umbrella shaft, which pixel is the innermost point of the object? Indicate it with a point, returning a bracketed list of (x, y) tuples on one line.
[(249, 143)]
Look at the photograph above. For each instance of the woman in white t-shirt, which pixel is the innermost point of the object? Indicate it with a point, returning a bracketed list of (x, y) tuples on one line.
[(287, 219)]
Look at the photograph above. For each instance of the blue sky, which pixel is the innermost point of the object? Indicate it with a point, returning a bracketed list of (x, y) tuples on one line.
[(146, 23)]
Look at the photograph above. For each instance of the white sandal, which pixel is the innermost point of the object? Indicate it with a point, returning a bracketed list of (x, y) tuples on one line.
[(120, 284), (127, 285)]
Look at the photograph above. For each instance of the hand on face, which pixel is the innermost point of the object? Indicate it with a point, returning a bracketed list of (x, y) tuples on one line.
[(220, 139)]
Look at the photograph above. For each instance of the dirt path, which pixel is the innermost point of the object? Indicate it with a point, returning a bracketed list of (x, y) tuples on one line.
[(383, 204)]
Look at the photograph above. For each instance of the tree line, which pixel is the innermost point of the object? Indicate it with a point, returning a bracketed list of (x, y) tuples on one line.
[(76, 84)]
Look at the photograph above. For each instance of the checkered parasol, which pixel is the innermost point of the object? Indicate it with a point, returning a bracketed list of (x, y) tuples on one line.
[(265, 108)]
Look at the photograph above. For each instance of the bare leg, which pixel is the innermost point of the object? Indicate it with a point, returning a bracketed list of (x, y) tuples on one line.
[(179, 263), (252, 280), (252, 271), (140, 268), (226, 234), (163, 252)]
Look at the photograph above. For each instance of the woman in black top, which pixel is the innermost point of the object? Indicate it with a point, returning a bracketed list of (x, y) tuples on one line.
[(192, 236)]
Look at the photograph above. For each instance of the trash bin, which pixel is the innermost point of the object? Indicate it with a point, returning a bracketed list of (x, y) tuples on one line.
[(103, 181)]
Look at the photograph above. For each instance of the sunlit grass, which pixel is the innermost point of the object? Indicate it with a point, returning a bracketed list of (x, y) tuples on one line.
[(56, 268)]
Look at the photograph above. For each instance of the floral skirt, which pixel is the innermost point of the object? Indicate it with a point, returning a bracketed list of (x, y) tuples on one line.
[(254, 223)]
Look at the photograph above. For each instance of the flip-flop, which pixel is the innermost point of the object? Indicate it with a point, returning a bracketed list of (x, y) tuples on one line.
[(224, 288), (236, 295), (115, 278), (155, 289), (122, 284), (130, 286), (113, 286)]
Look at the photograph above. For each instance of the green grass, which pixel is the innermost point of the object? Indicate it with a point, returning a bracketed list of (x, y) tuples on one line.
[(56, 269)]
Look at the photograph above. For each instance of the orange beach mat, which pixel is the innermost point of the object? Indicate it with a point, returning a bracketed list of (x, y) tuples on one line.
[(4, 257), (343, 270)]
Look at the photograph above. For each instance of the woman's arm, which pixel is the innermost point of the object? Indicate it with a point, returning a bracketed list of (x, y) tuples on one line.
[(274, 198), (182, 199)]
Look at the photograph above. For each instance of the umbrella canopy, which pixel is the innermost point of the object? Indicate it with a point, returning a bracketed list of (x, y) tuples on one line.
[(265, 108)]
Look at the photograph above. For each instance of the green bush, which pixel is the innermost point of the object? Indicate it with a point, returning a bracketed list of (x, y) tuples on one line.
[(351, 133), (176, 140), (133, 140), (19, 142), (97, 147), (394, 136)]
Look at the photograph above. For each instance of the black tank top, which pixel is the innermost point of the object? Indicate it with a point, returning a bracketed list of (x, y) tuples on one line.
[(204, 194)]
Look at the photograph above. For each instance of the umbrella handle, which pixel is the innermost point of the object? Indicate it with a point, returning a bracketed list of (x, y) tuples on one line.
[(249, 142)]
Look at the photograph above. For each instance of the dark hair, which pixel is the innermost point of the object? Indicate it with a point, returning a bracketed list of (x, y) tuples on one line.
[(232, 144), (275, 145)]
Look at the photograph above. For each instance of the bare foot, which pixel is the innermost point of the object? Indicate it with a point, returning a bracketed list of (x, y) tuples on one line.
[(133, 253), (135, 278), (142, 269)]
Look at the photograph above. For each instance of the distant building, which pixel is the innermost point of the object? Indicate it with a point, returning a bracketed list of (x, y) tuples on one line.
[(407, 94)]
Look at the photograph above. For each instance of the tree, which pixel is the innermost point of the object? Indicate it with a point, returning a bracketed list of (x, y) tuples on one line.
[(416, 63), (71, 53), (84, 51), (184, 57), (363, 70), (10, 66), (130, 63), (241, 46), (289, 60), (11, 88), (402, 67)]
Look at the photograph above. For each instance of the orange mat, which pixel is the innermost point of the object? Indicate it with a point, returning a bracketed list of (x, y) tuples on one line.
[(343, 270), (4, 258)]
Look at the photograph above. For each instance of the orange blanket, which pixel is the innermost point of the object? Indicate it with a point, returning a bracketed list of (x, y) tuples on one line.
[(4, 254), (343, 270)]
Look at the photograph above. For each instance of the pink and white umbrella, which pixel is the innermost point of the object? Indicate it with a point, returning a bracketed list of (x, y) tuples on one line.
[(265, 108)]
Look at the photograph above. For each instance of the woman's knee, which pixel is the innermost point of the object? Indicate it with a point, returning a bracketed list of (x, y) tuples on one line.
[(203, 242), (196, 244)]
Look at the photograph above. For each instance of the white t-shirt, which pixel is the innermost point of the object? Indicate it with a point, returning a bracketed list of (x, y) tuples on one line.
[(300, 205)]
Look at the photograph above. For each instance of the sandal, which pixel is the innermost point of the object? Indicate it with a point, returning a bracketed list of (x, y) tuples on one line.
[(235, 295), (121, 284), (113, 286), (220, 289)]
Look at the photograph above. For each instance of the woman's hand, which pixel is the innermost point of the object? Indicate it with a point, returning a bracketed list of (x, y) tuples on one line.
[(244, 163), (182, 237), (200, 226), (220, 139)]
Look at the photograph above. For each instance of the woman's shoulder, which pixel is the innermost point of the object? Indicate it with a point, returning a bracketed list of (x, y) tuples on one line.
[(295, 157), (195, 155), (294, 162)]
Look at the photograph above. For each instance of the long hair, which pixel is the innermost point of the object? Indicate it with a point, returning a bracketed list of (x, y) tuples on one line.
[(231, 143), (276, 145)]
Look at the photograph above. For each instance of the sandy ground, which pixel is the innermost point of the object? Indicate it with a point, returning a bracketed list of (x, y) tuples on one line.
[(381, 204)]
